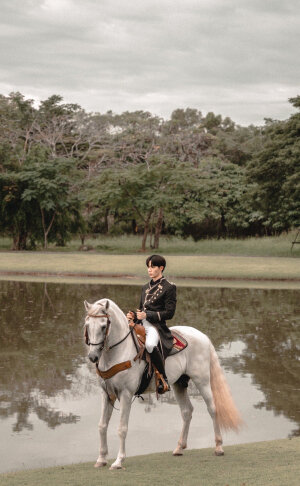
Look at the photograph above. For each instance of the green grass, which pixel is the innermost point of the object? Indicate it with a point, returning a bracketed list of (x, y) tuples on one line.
[(250, 259), (139, 281), (279, 246), (274, 463), (190, 266)]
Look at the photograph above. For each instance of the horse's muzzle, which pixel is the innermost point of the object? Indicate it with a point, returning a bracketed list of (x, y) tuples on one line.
[(93, 357)]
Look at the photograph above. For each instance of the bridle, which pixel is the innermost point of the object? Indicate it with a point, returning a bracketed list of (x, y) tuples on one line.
[(125, 365), (86, 334), (103, 343)]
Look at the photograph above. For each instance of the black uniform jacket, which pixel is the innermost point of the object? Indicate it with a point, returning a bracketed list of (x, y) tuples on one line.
[(158, 300)]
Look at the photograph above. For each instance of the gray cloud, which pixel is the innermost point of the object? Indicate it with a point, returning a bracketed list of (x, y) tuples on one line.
[(238, 58)]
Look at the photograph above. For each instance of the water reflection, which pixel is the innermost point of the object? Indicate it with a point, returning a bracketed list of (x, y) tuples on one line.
[(42, 351)]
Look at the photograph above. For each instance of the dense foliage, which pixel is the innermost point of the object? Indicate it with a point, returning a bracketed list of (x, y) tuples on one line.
[(65, 171)]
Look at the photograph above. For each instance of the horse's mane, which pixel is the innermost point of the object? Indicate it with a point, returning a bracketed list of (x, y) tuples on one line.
[(100, 307)]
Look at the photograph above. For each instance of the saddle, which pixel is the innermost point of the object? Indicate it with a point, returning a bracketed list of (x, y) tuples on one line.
[(139, 337)]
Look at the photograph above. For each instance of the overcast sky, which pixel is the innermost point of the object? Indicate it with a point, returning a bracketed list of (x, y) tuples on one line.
[(239, 58)]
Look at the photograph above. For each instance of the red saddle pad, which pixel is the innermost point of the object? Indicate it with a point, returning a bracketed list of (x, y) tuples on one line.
[(179, 342)]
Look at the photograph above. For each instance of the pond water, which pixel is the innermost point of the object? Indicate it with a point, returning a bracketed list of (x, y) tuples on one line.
[(49, 393)]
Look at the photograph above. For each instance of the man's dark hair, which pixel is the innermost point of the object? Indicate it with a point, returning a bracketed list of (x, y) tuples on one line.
[(156, 261)]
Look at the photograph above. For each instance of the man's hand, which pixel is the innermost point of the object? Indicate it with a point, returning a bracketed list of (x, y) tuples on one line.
[(130, 315), (140, 314)]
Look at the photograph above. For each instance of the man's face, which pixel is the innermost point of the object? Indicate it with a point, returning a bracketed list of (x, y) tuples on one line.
[(154, 272)]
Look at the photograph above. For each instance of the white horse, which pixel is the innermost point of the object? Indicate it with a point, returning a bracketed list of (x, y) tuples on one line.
[(110, 343)]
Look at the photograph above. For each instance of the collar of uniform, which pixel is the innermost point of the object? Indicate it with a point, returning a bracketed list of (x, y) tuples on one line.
[(156, 281)]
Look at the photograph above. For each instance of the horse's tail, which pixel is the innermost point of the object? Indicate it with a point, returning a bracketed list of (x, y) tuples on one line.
[(227, 415)]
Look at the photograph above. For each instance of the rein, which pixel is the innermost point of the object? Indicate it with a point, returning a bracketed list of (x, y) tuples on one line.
[(88, 342), (87, 339), (119, 366)]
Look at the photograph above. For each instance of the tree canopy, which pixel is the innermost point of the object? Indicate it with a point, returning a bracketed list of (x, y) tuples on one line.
[(65, 171)]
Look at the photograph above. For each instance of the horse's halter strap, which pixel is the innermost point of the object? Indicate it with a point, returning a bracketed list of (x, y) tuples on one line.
[(87, 340), (125, 365)]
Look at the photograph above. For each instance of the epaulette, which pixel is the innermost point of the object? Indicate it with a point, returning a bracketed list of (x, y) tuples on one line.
[(172, 283)]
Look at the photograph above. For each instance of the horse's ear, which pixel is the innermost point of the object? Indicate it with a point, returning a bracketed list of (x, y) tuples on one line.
[(87, 305), (107, 305)]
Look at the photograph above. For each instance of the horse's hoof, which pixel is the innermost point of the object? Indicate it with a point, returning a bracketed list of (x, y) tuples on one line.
[(100, 464), (178, 451), (219, 453), (115, 468)]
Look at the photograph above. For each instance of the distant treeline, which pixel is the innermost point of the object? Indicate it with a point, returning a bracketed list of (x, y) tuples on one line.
[(64, 171)]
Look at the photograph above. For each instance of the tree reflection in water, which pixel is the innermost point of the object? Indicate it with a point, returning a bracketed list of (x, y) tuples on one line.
[(42, 348)]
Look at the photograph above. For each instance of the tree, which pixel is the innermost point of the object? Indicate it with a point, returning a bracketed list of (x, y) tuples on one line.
[(184, 137), (276, 174), (135, 137), (189, 118), (17, 217), (53, 125), (214, 205), (147, 194), (50, 187), (17, 117), (212, 122), (90, 141)]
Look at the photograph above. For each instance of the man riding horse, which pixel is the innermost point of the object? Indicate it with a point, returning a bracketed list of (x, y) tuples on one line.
[(157, 304)]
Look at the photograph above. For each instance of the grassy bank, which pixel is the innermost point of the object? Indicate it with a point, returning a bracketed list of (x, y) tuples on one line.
[(81, 264), (180, 282), (279, 246), (276, 463)]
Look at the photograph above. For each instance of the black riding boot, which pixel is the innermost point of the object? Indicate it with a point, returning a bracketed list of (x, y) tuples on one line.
[(157, 360)]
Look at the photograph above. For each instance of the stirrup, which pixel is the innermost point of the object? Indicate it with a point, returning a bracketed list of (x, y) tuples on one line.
[(163, 386)]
